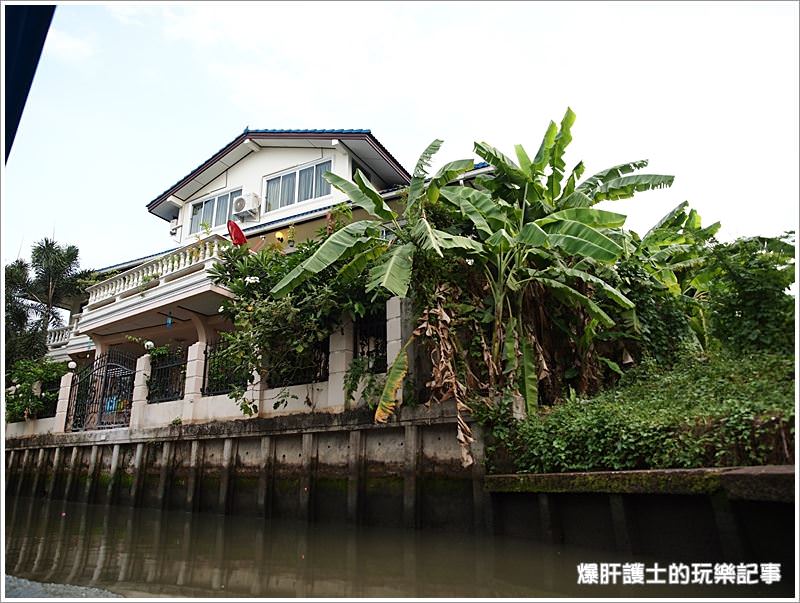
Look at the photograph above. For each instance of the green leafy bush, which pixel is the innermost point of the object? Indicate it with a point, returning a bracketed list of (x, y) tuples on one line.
[(724, 410), (284, 339), (748, 300), (24, 400)]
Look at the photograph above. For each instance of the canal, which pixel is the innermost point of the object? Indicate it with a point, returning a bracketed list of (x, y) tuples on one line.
[(144, 552)]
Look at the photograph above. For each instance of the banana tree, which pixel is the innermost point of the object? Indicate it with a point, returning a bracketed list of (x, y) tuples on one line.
[(362, 243), (543, 238), (675, 252)]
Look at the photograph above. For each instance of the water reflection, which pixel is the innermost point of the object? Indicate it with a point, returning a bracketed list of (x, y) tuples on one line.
[(145, 552)]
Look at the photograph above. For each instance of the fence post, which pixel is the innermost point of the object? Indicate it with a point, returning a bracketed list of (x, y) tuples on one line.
[(63, 403), (139, 402), (340, 356), (193, 386), (399, 326)]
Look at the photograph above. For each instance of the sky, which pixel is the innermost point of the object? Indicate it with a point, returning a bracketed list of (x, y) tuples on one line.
[(128, 99)]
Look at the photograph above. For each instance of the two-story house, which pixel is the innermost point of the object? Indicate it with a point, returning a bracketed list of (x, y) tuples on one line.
[(266, 180)]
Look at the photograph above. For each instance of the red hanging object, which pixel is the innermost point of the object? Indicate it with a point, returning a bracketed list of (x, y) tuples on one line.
[(237, 236)]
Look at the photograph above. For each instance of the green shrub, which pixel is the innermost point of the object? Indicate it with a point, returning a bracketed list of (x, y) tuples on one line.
[(726, 410), (748, 300), (23, 402)]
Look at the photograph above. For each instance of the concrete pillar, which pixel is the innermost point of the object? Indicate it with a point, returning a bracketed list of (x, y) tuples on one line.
[(266, 476), (621, 524), (339, 358), (100, 345), (73, 467), (193, 386), (412, 447), (399, 327), (111, 490), (38, 471), (307, 475), (138, 474), (23, 468), (203, 330), (356, 468), (62, 407), (481, 500), (733, 548), (140, 390), (52, 481), (548, 515), (164, 474), (88, 493), (191, 480), (228, 460), (12, 455)]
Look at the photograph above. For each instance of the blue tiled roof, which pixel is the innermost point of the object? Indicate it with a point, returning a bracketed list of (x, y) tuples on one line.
[(304, 131), (137, 261)]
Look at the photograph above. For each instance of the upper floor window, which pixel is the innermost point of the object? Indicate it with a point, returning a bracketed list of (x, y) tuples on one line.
[(298, 185), (214, 211)]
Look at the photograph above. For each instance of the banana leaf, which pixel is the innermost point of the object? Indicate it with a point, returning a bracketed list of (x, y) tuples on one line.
[(393, 273), (394, 381)]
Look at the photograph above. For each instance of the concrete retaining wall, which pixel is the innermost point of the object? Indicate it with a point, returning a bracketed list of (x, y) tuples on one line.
[(326, 466)]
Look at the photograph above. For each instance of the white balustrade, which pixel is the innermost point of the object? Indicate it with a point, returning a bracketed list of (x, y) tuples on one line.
[(185, 257), (58, 336)]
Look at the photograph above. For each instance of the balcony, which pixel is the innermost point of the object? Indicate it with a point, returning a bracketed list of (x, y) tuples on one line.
[(64, 341), (174, 282), (155, 272), (58, 337)]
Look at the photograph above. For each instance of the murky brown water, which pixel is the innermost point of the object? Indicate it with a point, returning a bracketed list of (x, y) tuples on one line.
[(146, 553)]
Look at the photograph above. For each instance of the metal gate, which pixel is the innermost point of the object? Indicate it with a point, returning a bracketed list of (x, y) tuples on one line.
[(101, 393)]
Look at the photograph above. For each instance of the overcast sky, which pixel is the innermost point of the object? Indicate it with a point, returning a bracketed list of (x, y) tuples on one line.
[(128, 99)]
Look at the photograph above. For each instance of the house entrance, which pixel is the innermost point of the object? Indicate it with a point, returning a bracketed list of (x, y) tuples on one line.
[(101, 393)]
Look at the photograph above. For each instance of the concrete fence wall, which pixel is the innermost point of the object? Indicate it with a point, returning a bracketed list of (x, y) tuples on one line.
[(194, 407)]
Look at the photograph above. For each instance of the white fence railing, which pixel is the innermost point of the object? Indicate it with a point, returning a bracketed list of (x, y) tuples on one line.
[(153, 271), (61, 335)]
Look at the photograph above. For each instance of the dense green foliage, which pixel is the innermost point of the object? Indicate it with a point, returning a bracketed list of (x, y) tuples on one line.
[(25, 340), (283, 339), (26, 378), (33, 293), (725, 410), (529, 297), (748, 304)]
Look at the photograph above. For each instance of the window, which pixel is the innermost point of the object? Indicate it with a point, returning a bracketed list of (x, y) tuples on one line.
[(297, 186), (215, 211)]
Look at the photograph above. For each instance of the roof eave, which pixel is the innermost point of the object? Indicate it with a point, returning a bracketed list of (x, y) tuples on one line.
[(262, 135)]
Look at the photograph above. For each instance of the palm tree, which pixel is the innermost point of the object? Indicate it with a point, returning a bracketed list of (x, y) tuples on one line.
[(56, 279), (23, 340), (34, 292)]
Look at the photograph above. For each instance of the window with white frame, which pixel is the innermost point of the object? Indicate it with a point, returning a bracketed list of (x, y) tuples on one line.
[(297, 186), (214, 211)]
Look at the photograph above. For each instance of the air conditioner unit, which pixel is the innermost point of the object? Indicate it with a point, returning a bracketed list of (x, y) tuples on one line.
[(248, 203)]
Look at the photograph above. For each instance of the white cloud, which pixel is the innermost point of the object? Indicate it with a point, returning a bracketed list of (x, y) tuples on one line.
[(66, 47)]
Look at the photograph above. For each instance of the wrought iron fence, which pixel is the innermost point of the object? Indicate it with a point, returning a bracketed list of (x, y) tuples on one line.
[(221, 374), (49, 396), (369, 336), (310, 366), (167, 377), (101, 393)]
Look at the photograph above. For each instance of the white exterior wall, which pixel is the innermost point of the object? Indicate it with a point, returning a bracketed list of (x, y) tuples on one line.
[(249, 174)]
